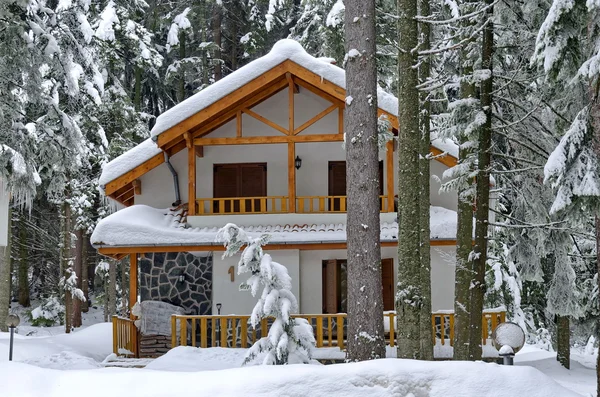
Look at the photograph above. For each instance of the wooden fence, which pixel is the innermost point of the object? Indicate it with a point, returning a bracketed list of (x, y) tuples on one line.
[(125, 337)]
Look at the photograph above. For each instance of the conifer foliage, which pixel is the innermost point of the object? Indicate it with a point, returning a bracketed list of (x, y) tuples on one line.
[(290, 340)]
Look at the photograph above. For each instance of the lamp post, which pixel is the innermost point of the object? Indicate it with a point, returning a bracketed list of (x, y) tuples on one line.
[(12, 321), (508, 338), (219, 325)]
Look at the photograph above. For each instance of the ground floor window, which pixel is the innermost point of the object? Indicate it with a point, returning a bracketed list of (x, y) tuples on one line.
[(335, 285)]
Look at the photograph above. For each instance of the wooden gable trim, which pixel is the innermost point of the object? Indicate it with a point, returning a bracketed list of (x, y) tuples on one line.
[(239, 95), (228, 108), (122, 251)]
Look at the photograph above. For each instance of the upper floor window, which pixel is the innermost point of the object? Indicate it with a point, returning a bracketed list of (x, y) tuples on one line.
[(239, 180)]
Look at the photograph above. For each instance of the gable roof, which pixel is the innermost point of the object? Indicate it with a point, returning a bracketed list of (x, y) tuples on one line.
[(212, 107)]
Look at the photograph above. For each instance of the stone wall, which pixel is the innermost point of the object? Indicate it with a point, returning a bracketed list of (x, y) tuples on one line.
[(178, 278)]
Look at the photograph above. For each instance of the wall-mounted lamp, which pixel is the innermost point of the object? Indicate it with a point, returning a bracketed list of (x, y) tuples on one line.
[(181, 278), (298, 162)]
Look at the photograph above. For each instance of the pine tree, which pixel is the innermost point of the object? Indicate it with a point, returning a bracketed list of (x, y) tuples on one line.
[(365, 299), (408, 296), (289, 340)]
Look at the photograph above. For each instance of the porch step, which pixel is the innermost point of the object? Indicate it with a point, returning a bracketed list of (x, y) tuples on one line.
[(123, 362)]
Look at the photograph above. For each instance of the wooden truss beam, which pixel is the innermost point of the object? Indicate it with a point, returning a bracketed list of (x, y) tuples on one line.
[(315, 119), (257, 140), (237, 96), (265, 121)]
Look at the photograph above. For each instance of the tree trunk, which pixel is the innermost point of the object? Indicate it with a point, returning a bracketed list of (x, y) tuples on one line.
[(23, 264), (85, 306), (203, 34), (563, 341), (426, 352), (182, 55), (112, 288), (5, 276), (216, 27), (137, 98), (78, 270), (65, 260), (483, 193), (464, 232), (408, 297), (597, 147), (365, 297)]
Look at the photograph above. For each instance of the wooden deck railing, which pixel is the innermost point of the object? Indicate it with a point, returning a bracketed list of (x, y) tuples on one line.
[(125, 340), (330, 329), (242, 205), (275, 205)]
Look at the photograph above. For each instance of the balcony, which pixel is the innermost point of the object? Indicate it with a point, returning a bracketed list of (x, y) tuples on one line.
[(279, 205)]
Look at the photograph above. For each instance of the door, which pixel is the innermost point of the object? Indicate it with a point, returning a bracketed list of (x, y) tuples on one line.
[(335, 285), (337, 184), (387, 283), (239, 180)]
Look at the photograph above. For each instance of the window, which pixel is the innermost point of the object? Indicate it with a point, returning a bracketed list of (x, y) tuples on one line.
[(239, 180), (335, 285)]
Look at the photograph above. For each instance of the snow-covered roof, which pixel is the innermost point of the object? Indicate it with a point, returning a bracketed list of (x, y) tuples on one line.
[(140, 225), (282, 51)]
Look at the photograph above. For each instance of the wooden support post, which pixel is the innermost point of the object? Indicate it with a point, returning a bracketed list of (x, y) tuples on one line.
[(137, 186), (292, 176), (133, 285), (200, 151), (341, 120), (238, 119), (389, 180), (290, 103), (189, 142)]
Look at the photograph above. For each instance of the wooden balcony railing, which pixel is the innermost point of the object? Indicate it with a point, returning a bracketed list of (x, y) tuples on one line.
[(275, 205), (242, 205), (233, 331), (125, 337), (318, 204)]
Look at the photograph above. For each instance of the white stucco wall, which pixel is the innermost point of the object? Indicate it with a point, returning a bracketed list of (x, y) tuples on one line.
[(228, 294), (442, 276)]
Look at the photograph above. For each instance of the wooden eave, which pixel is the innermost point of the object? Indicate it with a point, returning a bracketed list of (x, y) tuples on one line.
[(227, 108), (120, 252)]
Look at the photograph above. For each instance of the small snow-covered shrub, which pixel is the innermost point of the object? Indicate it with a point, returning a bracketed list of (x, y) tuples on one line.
[(289, 340), (49, 313)]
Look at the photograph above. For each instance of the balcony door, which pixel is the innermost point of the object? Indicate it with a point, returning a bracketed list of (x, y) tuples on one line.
[(337, 184), (236, 181), (334, 287)]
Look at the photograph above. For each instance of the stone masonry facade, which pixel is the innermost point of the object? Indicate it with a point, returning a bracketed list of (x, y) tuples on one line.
[(179, 278)]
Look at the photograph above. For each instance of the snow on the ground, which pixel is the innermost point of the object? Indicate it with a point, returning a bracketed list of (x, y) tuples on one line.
[(93, 342), (386, 377), (40, 364)]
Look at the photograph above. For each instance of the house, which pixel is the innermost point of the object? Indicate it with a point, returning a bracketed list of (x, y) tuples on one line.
[(261, 148)]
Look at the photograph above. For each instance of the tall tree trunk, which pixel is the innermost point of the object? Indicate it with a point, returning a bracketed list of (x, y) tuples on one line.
[(77, 307), (23, 264), (563, 341), (483, 192), (5, 275), (65, 261), (182, 55), (597, 147), (408, 297), (137, 98), (216, 28), (464, 232), (85, 306), (426, 352), (365, 296), (203, 34)]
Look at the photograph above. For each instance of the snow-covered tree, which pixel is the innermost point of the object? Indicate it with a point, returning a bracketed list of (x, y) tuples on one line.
[(290, 340)]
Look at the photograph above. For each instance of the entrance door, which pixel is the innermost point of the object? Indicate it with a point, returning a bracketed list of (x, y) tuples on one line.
[(239, 180), (335, 287), (337, 184)]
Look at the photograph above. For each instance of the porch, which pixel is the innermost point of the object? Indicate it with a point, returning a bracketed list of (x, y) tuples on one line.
[(233, 331)]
